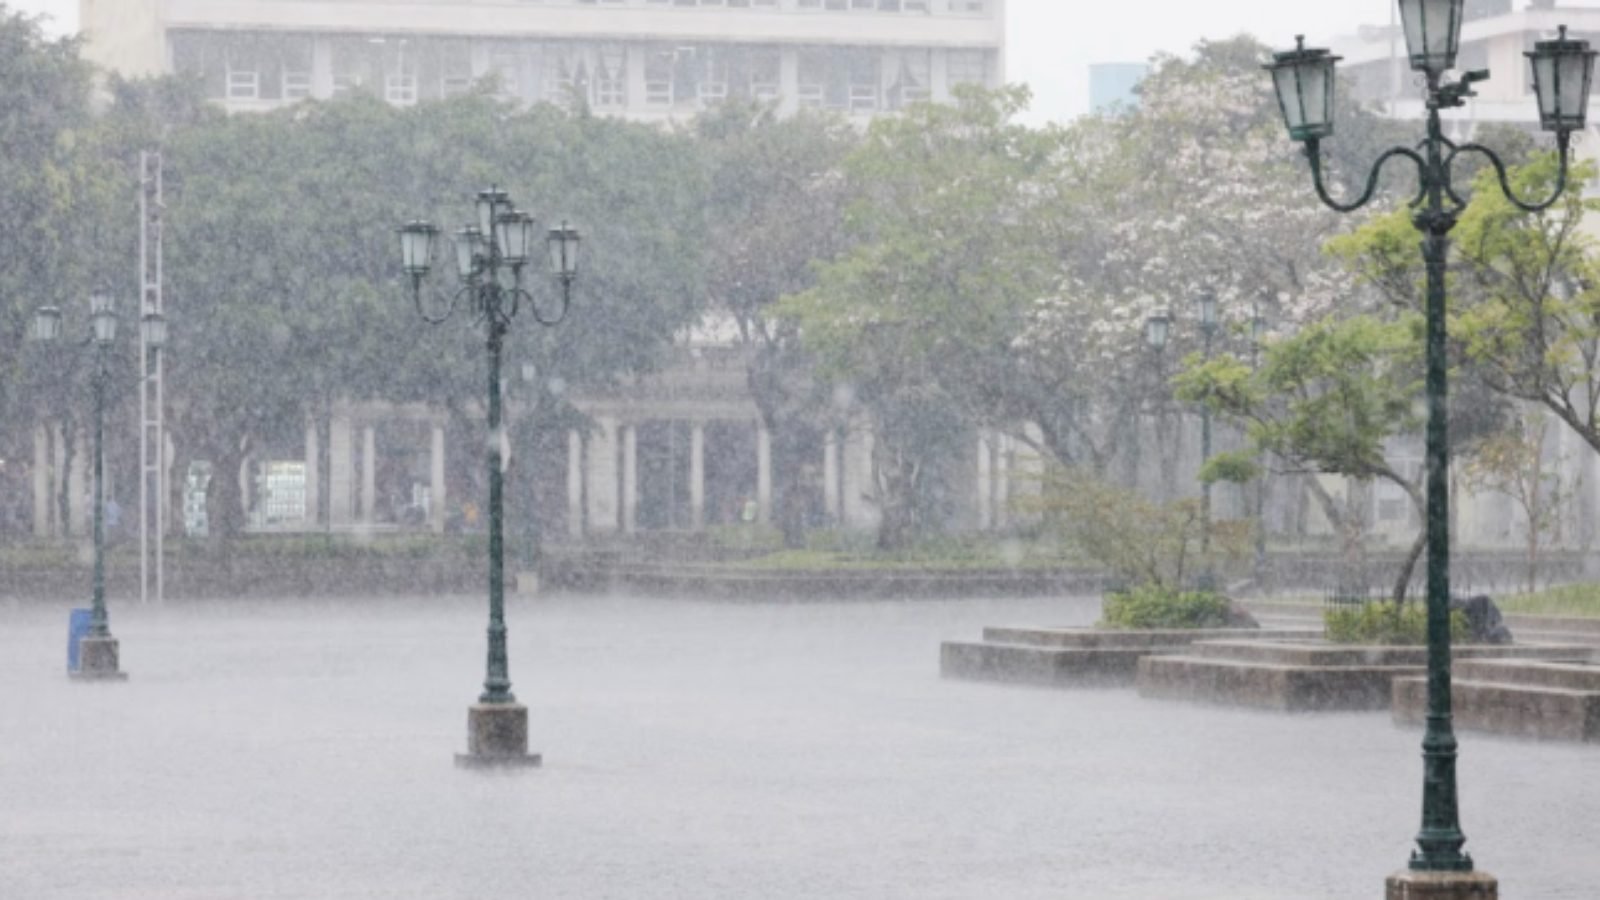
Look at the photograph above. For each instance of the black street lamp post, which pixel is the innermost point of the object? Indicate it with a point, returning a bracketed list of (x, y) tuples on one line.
[(490, 256), (1304, 79), (98, 652)]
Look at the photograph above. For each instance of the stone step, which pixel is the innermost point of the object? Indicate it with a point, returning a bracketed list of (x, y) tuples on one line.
[(1516, 710), (1026, 664), (1578, 674), (1035, 636), (1303, 676), (1282, 688)]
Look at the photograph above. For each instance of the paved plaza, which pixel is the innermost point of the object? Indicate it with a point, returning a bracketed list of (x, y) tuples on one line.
[(758, 752)]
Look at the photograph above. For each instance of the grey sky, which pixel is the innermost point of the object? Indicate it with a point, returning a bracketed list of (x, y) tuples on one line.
[(1053, 42)]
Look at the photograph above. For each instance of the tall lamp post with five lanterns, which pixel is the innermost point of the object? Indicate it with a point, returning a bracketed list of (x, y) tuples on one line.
[(98, 652), (490, 256), (1304, 80)]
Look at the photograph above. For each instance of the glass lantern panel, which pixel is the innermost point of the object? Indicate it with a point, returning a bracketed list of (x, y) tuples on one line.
[(105, 327), (1544, 84), (466, 246), (153, 328), (47, 324), (1289, 97), (1573, 72)]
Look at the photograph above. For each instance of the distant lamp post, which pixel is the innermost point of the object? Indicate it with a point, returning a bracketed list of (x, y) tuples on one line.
[(1156, 329), (1304, 79), (1209, 321), (99, 653), (1258, 336), (490, 256)]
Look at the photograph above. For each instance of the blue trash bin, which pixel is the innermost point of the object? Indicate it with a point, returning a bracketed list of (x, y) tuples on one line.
[(77, 626)]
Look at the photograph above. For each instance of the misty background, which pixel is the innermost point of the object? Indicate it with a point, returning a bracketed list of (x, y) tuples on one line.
[(1051, 43)]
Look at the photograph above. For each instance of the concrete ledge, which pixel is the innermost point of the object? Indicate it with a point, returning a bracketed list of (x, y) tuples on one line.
[(1082, 667), (1554, 701), (1288, 676), (1408, 885), (1071, 657)]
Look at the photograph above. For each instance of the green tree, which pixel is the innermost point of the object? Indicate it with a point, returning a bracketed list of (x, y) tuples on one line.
[(775, 203), (1524, 289), (920, 314), (1331, 399)]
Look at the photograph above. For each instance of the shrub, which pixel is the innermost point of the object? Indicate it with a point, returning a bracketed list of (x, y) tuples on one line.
[(1154, 606), (1383, 622)]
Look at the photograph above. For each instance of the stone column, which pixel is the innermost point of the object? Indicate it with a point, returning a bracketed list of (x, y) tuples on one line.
[(630, 478), (1002, 480), (697, 475), (78, 487), (858, 486), (763, 475), (313, 484), (321, 68), (369, 474), (246, 486), (830, 474), (788, 81), (603, 480), (438, 493), (341, 486), (41, 482), (985, 478), (633, 71), (574, 483)]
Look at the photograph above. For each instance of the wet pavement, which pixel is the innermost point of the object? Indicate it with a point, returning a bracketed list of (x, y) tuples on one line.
[(759, 752)]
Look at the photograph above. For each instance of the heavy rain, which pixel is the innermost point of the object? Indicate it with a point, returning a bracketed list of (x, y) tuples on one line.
[(799, 448)]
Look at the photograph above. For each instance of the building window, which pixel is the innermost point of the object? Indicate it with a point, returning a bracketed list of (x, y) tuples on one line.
[(909, 73), (967, 67), (611, 77), (243, 84)]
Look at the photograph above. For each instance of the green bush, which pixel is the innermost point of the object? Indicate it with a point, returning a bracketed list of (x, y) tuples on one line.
[(1382, 622), (1154, 606)]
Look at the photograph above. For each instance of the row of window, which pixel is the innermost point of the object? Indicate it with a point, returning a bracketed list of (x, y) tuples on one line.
[(606, 76), (925, 7)]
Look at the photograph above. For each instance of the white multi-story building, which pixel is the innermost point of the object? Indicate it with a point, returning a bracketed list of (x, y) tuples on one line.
[(684, 450), (1494, 36), (646, 59)]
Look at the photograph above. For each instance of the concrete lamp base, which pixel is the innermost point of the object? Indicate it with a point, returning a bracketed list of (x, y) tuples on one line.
[(497, 738), (98, 660), (1410, 885)]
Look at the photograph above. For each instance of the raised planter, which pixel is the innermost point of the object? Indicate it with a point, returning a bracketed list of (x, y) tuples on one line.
[(720, 582), (1073, 657), (1543, 699), (1306, 675)]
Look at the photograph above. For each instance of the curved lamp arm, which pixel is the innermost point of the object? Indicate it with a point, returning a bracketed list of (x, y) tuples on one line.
[(566, 303), (1314, 153), (1563, 140), (450, 307)]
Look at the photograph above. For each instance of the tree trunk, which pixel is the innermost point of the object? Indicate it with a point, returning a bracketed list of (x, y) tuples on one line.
[(896, 478), (225, 513), (1408, 566)]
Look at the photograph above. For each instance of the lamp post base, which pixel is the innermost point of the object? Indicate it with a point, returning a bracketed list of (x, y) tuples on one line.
[(98, 660), (497, 738), (1412, 885)]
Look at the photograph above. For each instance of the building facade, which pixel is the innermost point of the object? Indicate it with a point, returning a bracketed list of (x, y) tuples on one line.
[(644, 59), (685, 449)]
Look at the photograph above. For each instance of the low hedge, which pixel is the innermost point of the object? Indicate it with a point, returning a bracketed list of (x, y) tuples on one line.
[(1384, 622), (1152, 606)]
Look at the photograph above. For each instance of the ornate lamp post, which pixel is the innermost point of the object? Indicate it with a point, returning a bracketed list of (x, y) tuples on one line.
[(99, 658), (490, 256), (1304, 79)]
